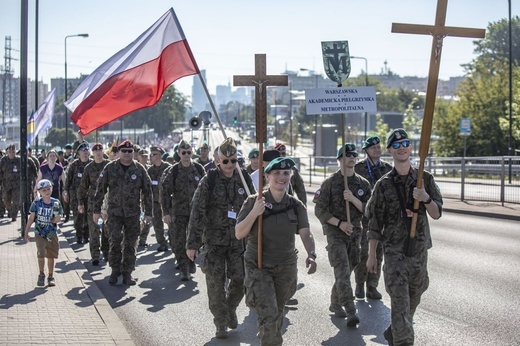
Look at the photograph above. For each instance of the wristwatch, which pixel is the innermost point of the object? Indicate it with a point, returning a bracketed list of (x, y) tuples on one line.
[(313, 254)]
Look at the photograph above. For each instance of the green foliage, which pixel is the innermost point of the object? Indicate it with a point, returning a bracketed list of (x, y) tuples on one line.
[(382, 129), (411, 122)]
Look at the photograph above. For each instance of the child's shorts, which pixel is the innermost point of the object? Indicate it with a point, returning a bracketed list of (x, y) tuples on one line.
[(47, 248)]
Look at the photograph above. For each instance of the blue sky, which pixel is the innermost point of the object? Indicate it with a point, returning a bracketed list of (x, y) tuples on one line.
[(224, 35)]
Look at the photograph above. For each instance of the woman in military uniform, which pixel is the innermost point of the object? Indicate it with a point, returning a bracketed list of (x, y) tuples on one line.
[(268, 288)]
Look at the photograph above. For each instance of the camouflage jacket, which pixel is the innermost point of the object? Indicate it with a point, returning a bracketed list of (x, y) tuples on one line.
[(386, 220), (178, 187), (372, 173), (88, 184), (214, 210), (10, 172), (330, 202), (74, 176), (124, 190), (155, 173), (298, 186)]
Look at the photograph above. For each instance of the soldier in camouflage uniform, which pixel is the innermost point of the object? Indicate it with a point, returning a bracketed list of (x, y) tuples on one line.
[(86, 192), (155, 171), (178, 188), (371, 168), (10, 181), (32, 172), (142, 158), (389, 212), (254, 161), (269, 288), (215, 206), (343, 238), (74, 175), (125, 180), (203, 158)]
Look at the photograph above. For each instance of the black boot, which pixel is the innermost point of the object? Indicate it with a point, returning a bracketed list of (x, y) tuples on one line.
[(127, 279), (112, 280), (360, 291)]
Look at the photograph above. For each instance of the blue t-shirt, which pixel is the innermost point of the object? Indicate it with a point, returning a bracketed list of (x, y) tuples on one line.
[(43, 213)]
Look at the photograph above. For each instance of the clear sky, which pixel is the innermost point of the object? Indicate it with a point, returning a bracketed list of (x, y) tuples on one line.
[(224, 35)]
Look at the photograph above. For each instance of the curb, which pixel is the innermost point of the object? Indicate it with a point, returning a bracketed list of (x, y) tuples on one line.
[(482, 214), (105, 311)]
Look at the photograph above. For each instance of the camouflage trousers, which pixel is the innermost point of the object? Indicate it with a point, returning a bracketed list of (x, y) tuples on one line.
[(158, 226), (11, 199), (267, 290), (98, 239), (362, 275), (224, 269), (177, 233), (123, 235), (406, 279), (80, 219), (343, 254)]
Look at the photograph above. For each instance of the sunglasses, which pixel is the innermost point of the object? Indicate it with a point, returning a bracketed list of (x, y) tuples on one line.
[(127, 151), (404, 144), (350, 154), (226, 161), (85, 149), (186, 152)]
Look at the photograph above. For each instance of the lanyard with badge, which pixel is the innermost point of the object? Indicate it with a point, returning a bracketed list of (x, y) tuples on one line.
[(232, 214)]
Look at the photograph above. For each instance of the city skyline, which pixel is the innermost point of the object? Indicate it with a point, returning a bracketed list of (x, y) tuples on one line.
[(289, 32)]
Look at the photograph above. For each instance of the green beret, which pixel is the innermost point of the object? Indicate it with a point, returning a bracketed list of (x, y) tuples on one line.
[(11, 147), (159, 149), (396, 135), (82, 145), (348, 147), (60, 152), (176, 157), (184, 145), (279, 163), (204, 146), (254, 153), (67, 146), (228, 147), (143, 152), (370, 141), (164, 156)]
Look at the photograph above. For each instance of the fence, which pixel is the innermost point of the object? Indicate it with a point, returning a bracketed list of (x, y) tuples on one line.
[(492, 179)]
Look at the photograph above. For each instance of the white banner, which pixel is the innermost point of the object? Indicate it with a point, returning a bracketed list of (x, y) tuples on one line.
[(341, 100)]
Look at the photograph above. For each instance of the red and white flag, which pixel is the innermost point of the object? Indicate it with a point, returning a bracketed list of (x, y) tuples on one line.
[(135, 77)]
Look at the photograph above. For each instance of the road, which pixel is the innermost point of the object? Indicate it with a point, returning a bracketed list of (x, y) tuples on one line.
[(472, 300)]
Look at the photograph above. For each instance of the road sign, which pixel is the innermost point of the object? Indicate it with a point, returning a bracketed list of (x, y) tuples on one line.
[(465, 126)]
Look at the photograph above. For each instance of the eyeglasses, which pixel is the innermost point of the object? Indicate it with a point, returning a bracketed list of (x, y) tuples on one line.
[(404, 144), (84, 149), (127, 151), (186, 152), (226, 161), (350, 154)]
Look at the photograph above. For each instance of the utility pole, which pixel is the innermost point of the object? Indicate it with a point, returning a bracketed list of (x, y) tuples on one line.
[(7, 98)]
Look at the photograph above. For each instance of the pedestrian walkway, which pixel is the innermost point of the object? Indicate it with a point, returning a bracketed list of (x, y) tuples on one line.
[(74, 312)]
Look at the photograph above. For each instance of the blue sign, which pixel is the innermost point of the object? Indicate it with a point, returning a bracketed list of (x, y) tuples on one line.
[(465, 126)]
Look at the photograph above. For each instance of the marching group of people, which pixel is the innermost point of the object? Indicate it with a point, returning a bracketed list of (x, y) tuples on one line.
[(213, 212)]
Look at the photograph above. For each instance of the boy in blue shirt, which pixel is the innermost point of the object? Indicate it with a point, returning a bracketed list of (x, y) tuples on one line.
[(46, 212)]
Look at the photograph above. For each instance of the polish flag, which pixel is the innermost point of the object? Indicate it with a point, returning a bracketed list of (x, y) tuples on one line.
[(135, 77)]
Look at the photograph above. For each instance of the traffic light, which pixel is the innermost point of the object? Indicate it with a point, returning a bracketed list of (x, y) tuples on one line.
[(235, 120)]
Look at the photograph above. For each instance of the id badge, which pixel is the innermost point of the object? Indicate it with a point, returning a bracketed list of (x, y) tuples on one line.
[(231, 214), (80, 175), (155, 182)]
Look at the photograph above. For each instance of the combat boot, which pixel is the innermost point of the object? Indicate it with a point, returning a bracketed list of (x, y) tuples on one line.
[(373, 293), (352, 319), (185, 276), (360, 291), (233, 319), (337, 310), (221, 332), (127, 279), (112, 280), (388, 336), (192, 267)]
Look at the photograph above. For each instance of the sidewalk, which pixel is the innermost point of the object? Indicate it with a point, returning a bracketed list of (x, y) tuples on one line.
[(73, 312)]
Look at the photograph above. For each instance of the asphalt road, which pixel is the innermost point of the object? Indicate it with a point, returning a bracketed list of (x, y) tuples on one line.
[(474, 270)]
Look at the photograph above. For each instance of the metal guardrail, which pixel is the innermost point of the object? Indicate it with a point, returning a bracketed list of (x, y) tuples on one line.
[(491, 178)]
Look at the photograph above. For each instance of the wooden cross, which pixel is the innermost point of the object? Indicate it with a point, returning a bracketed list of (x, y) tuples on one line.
[(438, 31), (260, 81)]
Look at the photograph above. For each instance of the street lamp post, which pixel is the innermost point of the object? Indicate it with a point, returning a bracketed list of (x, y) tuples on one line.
[(66, 87), (366, 84)]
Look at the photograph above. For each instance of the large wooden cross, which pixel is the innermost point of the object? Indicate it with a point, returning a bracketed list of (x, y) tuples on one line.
[(260, 81), (438, 31)]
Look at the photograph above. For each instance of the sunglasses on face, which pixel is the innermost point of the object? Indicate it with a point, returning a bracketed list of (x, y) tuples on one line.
[(226, 161), (127, 151), (350, 154), (84, 149), (186, 152), (404, 144)]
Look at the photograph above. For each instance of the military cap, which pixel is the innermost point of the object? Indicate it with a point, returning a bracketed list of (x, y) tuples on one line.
[(143, 152), (11, 146), (370, 141), (29, 148), (396, 135), (159, 149), (228, 147), (126, 144), (97, 146), (204, 146), (60, 152), (176, 157), (43, 184), (184, 145), (67, 146), (279, 163), (270, 155), (82, 145), (254, 153), (348, 147), (165, 156), (137, 147), (280, 147)]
